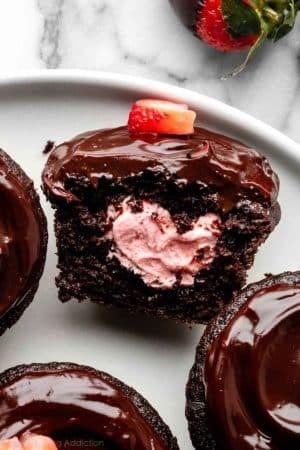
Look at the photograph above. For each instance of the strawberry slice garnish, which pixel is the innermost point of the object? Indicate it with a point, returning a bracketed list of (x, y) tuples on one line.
[(162, 117)]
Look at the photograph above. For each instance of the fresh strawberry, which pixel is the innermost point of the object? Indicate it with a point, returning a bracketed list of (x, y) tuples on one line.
[(229, 25), (212, 28), (162, 117)]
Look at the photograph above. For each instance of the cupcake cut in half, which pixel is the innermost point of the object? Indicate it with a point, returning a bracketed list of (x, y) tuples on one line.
[(23, 241), (157, 222), (77, 407), (244, 388)]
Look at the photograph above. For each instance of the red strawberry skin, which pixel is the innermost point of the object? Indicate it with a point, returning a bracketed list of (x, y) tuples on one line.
[(161, 117), (212, 29), (206, 20), (145, 121)]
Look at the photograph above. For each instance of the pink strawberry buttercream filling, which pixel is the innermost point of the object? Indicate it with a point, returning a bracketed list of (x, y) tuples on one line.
[(148, 243)]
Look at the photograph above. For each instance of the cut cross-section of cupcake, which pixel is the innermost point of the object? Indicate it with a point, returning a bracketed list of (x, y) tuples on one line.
[(23, 241), (157, 223), (244, 388), (77, 407)]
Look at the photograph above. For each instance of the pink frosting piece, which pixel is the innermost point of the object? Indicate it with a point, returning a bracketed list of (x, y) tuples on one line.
[(149, 244)]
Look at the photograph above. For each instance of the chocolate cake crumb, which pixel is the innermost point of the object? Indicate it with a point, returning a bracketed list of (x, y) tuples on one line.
[(48, 147), (86, 271)]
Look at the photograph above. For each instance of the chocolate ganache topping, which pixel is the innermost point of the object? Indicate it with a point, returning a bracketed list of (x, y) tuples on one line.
[(236, 171), (21, 238), (73, 405), (252, 374)]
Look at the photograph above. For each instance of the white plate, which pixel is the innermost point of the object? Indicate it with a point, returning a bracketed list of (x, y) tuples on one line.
[(151, 355)]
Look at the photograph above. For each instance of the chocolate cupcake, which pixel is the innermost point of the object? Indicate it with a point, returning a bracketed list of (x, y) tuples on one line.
[(78, 407), (23, 241), (244, 388), (159, 224)]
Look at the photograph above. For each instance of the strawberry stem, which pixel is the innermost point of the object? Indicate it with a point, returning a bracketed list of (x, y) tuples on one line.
[(272, 15), (276, 2), (252, 50)]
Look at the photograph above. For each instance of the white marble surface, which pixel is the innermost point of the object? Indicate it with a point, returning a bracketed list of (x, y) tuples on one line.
[(143, 37)]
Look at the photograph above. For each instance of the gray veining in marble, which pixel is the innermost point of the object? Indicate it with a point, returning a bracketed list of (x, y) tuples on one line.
[(50, 39)]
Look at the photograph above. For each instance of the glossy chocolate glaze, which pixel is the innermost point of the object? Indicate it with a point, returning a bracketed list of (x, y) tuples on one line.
[(252, 374), (74, 405), (187, 11), (236, 171), (21, 237)]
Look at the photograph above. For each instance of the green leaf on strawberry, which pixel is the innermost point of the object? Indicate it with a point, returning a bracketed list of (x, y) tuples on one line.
[(287, 22), (268, 19), (242, 19), (275, 18)]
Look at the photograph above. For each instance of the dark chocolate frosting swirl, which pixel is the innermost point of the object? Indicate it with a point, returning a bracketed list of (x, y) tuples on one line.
[(71, 405), (235, 170), (252, 374), (21, 237)]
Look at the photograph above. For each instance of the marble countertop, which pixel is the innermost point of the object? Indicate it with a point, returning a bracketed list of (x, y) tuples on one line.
[(145, 38)]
